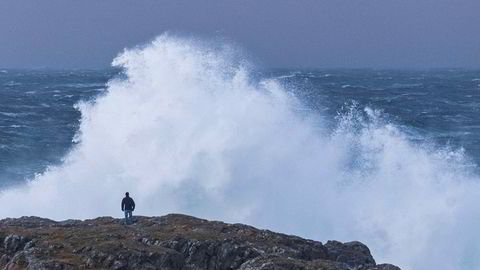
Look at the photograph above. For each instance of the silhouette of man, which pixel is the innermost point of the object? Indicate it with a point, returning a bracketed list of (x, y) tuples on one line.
[(128, 205)]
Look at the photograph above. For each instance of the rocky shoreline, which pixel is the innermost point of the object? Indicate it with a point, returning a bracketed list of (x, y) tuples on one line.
[(169, 242)]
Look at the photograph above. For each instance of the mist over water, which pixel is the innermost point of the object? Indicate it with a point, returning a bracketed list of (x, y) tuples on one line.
[(189, 130)]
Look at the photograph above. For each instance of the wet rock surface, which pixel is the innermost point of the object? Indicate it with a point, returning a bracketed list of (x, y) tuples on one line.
[(170, 242)]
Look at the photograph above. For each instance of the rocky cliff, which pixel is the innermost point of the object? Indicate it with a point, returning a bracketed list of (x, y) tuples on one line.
[(169, 242)]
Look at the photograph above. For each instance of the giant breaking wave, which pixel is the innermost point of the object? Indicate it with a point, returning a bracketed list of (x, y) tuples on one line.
[(188, 130)]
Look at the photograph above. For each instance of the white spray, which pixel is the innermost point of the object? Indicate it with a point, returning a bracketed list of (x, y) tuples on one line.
[(188, 131)]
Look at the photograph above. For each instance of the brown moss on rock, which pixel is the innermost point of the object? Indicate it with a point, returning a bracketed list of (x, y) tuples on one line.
[(169, 242)]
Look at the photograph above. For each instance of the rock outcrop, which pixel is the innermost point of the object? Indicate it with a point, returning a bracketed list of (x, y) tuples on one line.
[(169, 242)]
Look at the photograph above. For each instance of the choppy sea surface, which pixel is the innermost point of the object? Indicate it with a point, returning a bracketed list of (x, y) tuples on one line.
[(38, 118)]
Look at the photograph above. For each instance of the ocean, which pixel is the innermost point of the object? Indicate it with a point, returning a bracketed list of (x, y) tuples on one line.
[(387, 157), (38, 118)]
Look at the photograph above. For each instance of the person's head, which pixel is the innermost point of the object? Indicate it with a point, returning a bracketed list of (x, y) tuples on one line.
[(127, 194)]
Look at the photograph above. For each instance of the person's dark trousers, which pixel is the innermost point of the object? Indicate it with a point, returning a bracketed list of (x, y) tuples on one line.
[(128, 217)]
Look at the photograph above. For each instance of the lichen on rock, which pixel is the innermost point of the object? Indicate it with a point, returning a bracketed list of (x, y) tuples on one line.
[(174, 242)]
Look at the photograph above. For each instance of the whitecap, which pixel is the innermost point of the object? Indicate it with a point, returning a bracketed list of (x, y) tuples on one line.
[(188, 131)]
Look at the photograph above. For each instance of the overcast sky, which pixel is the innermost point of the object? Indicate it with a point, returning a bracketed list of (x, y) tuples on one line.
[(278, 33)]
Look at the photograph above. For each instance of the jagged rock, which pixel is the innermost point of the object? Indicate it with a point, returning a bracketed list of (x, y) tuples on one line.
[(172, 242), (355, 254), (384, 266), (273, 262), (14, 243), (4, 259)]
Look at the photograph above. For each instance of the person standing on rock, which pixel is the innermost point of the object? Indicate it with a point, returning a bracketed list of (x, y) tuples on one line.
[(128, 205)]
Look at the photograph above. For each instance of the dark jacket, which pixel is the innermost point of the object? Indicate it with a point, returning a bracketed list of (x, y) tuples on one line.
[(128, 204)]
